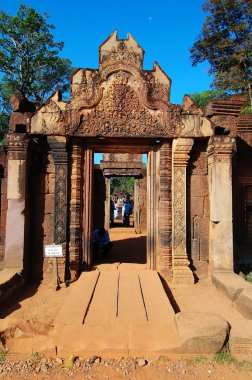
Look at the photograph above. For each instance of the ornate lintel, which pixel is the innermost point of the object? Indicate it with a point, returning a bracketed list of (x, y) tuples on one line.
[(17, 146)]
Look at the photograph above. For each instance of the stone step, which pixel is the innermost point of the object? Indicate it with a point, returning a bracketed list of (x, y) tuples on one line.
[(76, 307)]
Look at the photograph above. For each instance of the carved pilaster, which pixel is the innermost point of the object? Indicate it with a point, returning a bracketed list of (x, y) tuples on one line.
[(15, 253), (181, 270), (60, 157), (75, 210), (165, 212), (17, 146), (220, 151)]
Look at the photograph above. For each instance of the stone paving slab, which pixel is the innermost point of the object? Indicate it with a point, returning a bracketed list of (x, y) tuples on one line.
[(74, 310), (103, 308)]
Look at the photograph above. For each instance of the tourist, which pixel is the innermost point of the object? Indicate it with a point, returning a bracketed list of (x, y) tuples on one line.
[(101, 242), (127, 212), (112, 209)]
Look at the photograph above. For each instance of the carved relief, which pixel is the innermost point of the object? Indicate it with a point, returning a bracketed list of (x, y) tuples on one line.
[(120, 112), (181, 150), (179, 246), (120, 99), (60, 204), (53, 121), (120, 53)]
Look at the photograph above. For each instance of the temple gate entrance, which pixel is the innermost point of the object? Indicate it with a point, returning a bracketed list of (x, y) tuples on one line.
[(119, 108), (98, 215)]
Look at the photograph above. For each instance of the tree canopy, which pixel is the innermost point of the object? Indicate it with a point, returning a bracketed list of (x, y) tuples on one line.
[(29, 58), (225, 42)]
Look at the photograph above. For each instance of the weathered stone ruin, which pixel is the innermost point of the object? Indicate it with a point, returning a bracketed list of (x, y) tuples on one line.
[(197, 184)]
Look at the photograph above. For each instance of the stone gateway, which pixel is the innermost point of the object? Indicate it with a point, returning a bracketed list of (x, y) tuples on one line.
[(197, 181)]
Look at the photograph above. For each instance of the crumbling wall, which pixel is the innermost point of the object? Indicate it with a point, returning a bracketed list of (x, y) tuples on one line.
[(198, 209)]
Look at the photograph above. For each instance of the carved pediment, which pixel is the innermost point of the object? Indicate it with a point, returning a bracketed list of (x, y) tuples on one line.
[(120, 99)]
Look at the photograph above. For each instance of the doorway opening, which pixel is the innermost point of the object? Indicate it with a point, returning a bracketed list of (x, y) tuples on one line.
[(120, 179), (122, 201)]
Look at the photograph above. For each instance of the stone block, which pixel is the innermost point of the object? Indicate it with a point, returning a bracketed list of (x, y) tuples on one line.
[(49, 203), (199, 185), (201, 332), (243, 303), (240, 340), (48, 226), (206, 207), (201, 269), (201, 228), (230, 284), (195, 249), (197, 206), (204, 249), (51, 180), (44, 183)]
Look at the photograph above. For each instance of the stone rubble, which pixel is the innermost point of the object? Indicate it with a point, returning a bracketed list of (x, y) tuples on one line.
[(126, 367)]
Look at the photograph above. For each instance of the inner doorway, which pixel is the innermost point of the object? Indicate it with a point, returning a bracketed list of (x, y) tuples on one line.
[(121, 179)]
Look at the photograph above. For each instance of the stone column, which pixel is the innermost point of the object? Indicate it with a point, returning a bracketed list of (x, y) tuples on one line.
[(136, 206), (88, 209), (181, 272), (75, 210), (58, 146), (220, 150), (16, 201), (165, 212), (107, 204), (151, 210)]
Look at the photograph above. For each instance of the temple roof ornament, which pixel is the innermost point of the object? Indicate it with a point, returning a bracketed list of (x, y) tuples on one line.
[(120, 99)]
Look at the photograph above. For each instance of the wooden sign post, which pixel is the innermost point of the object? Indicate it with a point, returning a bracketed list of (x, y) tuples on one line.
[(54, 251)]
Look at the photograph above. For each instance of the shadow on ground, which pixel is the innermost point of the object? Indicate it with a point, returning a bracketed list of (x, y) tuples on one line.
[(131, 250)]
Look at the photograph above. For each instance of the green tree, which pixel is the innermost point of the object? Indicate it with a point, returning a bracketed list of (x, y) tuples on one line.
[(204, 97), (29, 58), (225, 42)]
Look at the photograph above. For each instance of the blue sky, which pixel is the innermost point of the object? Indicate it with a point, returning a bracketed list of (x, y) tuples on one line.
[(165, 29)]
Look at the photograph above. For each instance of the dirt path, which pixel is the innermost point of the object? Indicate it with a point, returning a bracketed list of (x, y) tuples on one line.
[(38, 307), (159, 368)]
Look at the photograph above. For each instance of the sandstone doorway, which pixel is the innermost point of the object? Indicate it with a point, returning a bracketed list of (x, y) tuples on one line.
[(118, 177)]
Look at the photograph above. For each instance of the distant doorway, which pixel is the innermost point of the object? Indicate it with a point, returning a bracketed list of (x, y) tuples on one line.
[(117, 184)]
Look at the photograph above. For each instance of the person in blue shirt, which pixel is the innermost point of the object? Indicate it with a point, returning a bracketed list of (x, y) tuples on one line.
[(127, 212), (101, 242)]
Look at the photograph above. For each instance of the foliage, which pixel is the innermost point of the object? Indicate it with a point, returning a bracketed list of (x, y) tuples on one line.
[(224, 356), (248, 277), (204, 97), (122, 184), (35, 357), (3, 354), (29, 59), (225, 42), (246, 110)]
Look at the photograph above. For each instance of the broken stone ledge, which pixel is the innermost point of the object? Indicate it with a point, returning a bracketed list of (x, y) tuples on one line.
[(11, 283), (236, 289)]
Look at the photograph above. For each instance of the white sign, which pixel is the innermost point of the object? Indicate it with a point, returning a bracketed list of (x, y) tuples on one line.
[(53, 251)]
